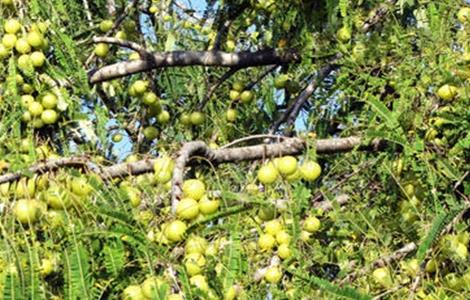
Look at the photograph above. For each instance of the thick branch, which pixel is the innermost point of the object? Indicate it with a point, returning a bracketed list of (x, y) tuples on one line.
[(195, 58), (292, 146), (48, 166)]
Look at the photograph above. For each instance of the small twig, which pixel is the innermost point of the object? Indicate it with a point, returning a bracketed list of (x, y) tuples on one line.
[(290, 114), (459, 182), (214, 87), (86, 8), (387, 292), (126, 44)]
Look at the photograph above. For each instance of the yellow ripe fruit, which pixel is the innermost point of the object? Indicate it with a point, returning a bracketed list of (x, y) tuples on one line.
[(268, 174), (101, 50), (273, 227), (35, 39), (9, 40), (151, 286), (35, 108), (382, 276), (106, 25), (194, 263), (200, 282), (187, 209), (273, 275), (194, 188), (310, 170), (246, 96), (463, 15), (287, 165), (344, 34), (197, 118), (283, 237), (12, 26), (231, 115), (266, 242), (283, 251), (26, 211), (163, 117), (238, 86), (312, 224), (38, 58), (175, 231), (233, 95), (196, 244), (22, 46), (3, 52), (133, 292), (447, 92), (207, 206)]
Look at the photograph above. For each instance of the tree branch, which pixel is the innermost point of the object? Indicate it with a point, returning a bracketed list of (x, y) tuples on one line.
[(291, 146), (214, 87), (195, 58)]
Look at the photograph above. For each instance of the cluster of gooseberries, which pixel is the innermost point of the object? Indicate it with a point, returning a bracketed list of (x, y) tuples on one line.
[(41, 107)]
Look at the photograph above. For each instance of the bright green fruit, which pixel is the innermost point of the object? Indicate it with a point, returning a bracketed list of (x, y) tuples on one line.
[(26, 211), (175, 231), (230, 45), (231, 115), (196, 244), (37, 123), (27, 88), (57, 198), (200, 282), (49, 101), (38, 58), (207, 206), (187, 209), (26, 100), (101, 50), (35, 39), (106, 25), (283, 251), (197, 118), (121, 35), (116, 138), (133, 292), (4, 52), (233, 95), (267, 213), (246, 96), (312, 224), (194, 263), (283, 237), (310, 170), (150, 132), (287, 165), (151, 287), (25, 62), (382, 276), (268, 174), (12, 26), (9, 40), (281, 81), (238, 86), (273, 275), (49, 116), (273, 227), (80, 186), (185, 119), (163, 117), (344, 34), (266, 242), (149, 98), (35, 109), (22, 46), (447, 92), (140, 86), (463, 15), (194, 189)]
